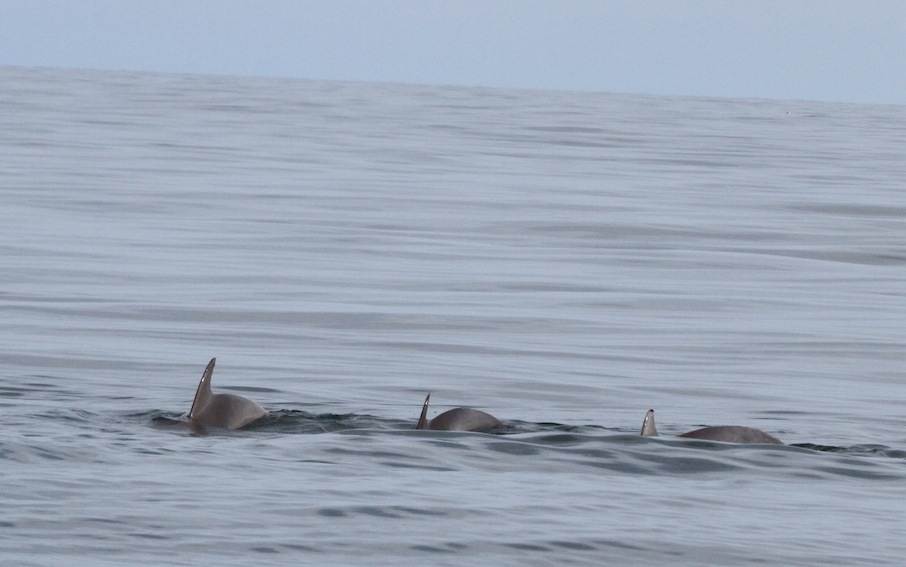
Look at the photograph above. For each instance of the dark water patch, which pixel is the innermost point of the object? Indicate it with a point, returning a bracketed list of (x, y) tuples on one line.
[(618, 466), (252, 389), (512, 447), (894, 453), (179, 423), (384, 512), (376, 511), (868, 257), (855, 450), (821, 448), (852, 210), (574, 545), (417, 465), (637, 455), (50, 388), (298, 421), (156, 451), (456, 545), (160, 537), (163, 421), (619, 545), (371, 453), (264, 549), (300, 547), (32, 452), (528, 547), (859, 472), (72, 416), (431, 549), (546, 427), (873, 449), (558, 440), (451, 440), (419, 511), (332, 513), (594, 131), (12, 392)]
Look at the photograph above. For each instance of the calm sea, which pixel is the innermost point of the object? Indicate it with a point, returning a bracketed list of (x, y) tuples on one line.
[(565, 261)]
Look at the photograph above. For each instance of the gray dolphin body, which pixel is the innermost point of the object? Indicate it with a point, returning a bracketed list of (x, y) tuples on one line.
[(457, 419), (725, 433), (228, 411)]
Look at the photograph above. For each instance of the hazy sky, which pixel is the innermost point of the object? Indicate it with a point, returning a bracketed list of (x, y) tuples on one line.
[(846, 50)]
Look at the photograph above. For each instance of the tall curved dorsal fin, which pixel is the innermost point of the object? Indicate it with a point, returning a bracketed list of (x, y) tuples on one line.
[(203, 393), (423, 419)]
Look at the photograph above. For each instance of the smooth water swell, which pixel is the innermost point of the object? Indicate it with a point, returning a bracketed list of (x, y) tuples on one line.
[(279, 489), (564, 261)]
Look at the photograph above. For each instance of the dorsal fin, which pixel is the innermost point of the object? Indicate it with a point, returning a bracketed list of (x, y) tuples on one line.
[(423, 419), (203, 393), (648, 428)]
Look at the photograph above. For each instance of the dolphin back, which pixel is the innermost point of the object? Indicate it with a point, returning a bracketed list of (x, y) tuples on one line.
[(463, 419), (733, 434), (228, 411), (725, 433), (457, 419)]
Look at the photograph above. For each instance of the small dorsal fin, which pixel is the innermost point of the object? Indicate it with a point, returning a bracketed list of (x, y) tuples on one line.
[(203, 393), (423, 419), (648, 428)]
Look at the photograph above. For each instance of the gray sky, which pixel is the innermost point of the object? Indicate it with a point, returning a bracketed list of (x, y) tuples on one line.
[(836, 50)]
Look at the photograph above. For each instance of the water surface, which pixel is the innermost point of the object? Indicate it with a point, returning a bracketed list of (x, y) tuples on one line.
[(564, 261)]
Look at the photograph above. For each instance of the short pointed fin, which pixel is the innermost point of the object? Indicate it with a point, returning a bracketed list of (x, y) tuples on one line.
[(648, 427), (203, 393), (423, 419)]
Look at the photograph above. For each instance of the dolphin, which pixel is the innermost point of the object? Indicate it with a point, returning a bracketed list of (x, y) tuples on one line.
[(228, 411), (726, 433), (457, 419)]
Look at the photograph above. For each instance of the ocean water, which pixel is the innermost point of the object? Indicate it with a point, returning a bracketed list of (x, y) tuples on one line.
[(565, 261)]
